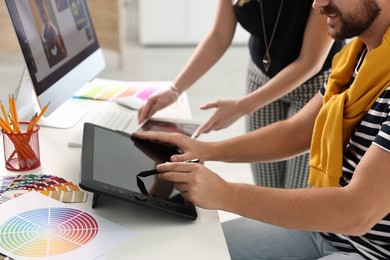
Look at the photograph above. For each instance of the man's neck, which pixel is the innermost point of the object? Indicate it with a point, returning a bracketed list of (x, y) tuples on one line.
[(373, 36)]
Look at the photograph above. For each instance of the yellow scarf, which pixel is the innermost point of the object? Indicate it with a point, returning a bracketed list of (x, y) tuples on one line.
[(344, 107)]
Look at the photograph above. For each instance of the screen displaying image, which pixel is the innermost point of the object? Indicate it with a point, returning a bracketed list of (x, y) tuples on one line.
[(48, 29), (55, 36)]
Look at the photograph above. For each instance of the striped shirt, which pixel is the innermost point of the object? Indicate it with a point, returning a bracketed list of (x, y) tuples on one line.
[(374, 129)]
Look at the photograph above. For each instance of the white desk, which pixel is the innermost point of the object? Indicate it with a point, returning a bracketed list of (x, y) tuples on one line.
[(158, 234)]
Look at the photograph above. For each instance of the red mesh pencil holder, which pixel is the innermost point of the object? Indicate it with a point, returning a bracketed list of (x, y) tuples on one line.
[(21, 150)]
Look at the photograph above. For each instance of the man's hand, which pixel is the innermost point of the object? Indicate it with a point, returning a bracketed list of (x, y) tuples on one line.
[(196, 183)]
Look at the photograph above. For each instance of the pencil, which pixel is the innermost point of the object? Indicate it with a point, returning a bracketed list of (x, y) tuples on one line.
[(4, 113), (41, 114), (11, 108), (32, 123), (16, 128), (4, 126), (15, 112)]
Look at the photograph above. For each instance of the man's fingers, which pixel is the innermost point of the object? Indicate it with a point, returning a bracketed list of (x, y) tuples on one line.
[(183, 167), (176, 172)]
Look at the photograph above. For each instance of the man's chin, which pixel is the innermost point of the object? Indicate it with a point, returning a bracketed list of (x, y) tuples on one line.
[(335, 34)]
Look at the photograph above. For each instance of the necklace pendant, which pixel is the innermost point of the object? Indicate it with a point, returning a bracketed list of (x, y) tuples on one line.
[(266, 61)]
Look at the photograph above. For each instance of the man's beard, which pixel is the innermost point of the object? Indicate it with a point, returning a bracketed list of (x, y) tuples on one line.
[(352, 23)]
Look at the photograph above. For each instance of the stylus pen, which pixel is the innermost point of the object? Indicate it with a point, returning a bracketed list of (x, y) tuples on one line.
[(154, 171)]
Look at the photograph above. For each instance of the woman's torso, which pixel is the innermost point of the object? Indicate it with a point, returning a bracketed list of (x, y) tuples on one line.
[(288, 35)]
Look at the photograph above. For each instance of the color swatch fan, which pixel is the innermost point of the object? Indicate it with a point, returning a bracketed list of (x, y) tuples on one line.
[(52, 186)]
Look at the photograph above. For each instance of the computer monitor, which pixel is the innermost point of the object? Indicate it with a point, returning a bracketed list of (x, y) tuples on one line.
[(61, 52)]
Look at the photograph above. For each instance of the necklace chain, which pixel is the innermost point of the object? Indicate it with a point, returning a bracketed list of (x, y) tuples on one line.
[(267, 56)]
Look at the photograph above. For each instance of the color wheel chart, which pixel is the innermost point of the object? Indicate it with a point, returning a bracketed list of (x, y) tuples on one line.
[(45, 232)]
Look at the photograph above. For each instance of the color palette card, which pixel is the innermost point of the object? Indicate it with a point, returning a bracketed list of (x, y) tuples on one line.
[(52, 186), (110, 90), (34, 226)]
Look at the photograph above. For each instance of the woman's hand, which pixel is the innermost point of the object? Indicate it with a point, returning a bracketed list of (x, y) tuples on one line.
[(196, 183), (156, 103), (227, 112), (189, 148)]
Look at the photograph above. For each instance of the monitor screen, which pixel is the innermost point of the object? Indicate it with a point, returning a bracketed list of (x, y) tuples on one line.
[(59, 46)]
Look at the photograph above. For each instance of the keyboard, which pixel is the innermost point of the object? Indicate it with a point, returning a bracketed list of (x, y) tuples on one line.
[(115, 120)]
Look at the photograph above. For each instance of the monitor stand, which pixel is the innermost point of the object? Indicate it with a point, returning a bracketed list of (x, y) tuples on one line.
[(27, 106)]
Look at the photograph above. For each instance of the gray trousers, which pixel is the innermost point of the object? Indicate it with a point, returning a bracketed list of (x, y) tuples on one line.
[(248, 239), (294, 172)]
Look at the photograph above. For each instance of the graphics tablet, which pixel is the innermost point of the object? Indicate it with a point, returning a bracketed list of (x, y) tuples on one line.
[(167, 125), (115, 164)]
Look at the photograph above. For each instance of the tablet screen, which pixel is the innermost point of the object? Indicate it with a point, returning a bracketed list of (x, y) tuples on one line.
[(186, 128), (125, 158), (113, 162)]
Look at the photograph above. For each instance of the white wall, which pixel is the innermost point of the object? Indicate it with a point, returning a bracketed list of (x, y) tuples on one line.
[(178, 22)]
